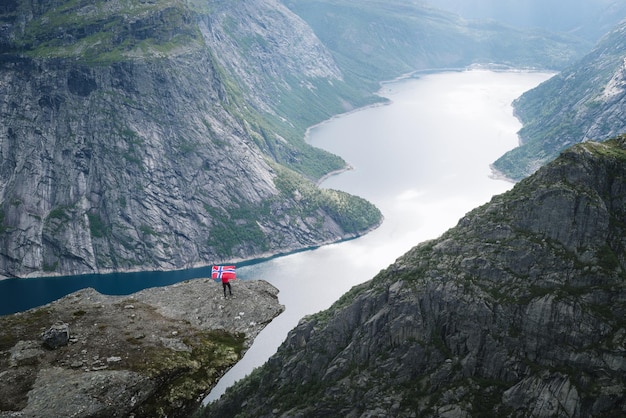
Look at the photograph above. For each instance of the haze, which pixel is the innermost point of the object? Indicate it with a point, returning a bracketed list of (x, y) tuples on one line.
[(588, 19)]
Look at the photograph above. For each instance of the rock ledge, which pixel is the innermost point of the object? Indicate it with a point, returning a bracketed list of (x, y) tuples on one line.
[(153, 353)]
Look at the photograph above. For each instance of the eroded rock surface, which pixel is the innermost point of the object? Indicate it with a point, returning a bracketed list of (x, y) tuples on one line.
[(152, 353)]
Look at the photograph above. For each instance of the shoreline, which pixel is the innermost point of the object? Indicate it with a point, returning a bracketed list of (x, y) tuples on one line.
[(200, 271), (415, 75), (325, 177), (499, 175)]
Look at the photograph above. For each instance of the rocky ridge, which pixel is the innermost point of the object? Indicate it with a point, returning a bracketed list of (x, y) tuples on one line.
[(154, 353), (517, 311)]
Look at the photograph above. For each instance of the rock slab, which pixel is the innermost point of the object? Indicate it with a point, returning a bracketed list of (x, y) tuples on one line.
[(157, 352)]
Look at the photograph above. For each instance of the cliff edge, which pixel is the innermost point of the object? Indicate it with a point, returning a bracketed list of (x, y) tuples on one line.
[(157, 352)]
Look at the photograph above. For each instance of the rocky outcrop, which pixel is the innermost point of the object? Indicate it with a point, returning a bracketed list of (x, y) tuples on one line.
[(56, 336), (152, 353), (586, 101), (517, 311)]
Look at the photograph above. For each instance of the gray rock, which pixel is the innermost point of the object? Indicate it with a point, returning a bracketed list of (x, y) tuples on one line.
[(149, 160), (180, 341), (25, 351), (586, 101), (56, 336), (60, 392)]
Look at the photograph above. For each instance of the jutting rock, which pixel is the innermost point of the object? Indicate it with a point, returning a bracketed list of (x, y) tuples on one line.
[(154, 353)]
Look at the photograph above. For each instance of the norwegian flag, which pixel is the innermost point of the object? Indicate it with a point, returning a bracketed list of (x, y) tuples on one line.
[(223, 273)]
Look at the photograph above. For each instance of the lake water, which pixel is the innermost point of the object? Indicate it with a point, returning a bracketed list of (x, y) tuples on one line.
[(423, 160)]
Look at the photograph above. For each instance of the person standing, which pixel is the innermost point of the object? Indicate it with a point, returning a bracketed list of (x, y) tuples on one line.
[(225, 274), (225, 284)]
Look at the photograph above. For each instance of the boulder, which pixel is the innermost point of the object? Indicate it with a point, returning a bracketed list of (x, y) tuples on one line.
[(56, 336)]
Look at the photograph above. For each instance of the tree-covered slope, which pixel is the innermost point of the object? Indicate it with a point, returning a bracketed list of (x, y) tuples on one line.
[(517, 311), (585, 101)]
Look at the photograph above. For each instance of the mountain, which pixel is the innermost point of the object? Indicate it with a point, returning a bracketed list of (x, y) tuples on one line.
[(378, 40), (517, 311), (585, 101), (166, 134)]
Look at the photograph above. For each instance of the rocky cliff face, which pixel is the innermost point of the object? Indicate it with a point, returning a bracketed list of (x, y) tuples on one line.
[(587, 101), (517, 311), (126, 144), (154, 353)]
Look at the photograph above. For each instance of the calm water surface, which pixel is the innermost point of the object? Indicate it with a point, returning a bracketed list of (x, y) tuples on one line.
[(423, 160)]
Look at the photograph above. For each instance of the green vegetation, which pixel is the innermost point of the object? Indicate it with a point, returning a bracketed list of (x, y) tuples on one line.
[(3, 227), (97, 226), (180, 375), (134, 147), (284, 141), (567, 109), (58, 218), (374, 40), (98, 32), (613, 150), (238, 228), (15, 327), (353, 214), (187, 373), (147, 230), (321, 318), (59, 213), (49, 268), (607, 259)]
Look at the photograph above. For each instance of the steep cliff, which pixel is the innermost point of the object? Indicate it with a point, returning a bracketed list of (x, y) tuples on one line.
[(585, 101), (517, 311), (126, 144)]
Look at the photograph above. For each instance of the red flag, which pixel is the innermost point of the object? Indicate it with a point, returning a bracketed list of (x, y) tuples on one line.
[(223, 273)]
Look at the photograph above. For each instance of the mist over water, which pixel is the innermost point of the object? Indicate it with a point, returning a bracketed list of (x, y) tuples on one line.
[(423, 160)]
